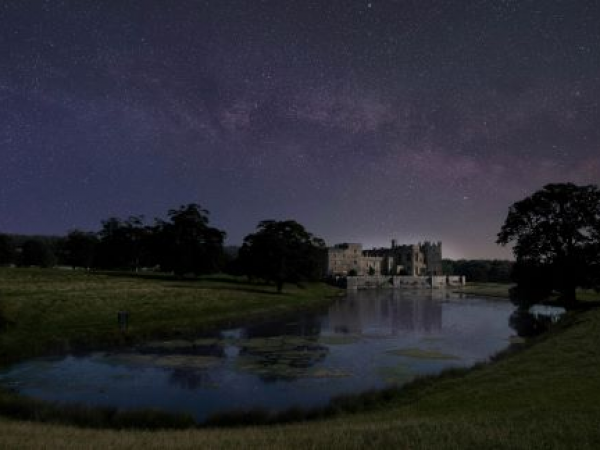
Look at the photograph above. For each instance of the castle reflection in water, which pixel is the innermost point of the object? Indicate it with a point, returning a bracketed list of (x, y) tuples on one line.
[(391, 314)]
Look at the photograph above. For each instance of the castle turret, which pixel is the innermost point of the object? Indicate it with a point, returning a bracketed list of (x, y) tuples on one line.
[(433, 257)]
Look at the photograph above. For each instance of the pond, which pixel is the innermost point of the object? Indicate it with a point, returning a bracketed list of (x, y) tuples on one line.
[(367, 340)]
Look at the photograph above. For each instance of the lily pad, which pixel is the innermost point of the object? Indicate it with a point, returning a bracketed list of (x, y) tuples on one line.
[(261, 343), (299, 341), (276, 370), (165, 361), (329, 373), (339, 340), (185, 361)]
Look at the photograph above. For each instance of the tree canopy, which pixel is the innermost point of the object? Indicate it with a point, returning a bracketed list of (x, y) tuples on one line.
[(36, 252), (7, 250), (122, 243), (556, 235), (79, 249), (186, 243), (282, 251), (479, 270)]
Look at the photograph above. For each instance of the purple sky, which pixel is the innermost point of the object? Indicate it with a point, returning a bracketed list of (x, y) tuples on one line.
[(363, 120)]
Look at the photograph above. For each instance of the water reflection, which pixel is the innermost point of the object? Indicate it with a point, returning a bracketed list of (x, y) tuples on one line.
[(306, 325), (191, 379), (530, 322), (388, 314)]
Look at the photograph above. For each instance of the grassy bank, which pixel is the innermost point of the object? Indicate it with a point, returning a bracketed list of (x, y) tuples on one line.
[(586, 297), (56, 310), (486, 289), (544, 396)]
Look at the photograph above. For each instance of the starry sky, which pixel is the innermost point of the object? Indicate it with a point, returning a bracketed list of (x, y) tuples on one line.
[(363, 120)]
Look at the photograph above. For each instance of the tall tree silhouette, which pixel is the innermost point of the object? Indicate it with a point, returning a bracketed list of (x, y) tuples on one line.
[(187, 244), (556, 232), (282, 251)]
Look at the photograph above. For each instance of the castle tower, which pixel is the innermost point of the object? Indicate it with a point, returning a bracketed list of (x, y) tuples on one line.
[(433, 257)]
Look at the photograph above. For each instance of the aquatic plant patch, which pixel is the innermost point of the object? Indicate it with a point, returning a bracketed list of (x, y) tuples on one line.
[(421, 353), (163, 361), (339, 339)]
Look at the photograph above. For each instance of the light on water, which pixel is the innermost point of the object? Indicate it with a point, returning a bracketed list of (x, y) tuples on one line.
[(370, 339)]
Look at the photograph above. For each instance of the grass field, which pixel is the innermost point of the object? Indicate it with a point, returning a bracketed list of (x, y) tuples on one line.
[(546, 395), (56, 310)]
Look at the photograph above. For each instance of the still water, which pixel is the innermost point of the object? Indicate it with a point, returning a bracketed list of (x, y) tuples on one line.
[(367, 340)]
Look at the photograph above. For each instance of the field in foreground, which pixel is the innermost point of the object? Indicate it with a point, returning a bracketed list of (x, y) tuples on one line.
[(545, 396)]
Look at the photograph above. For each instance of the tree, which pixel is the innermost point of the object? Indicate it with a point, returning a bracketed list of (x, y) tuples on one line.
[(79, 248), (122, 243), (187, 244), (557, 239), (35, 252), (3, 319), (479, 270), (282, 251), (7, 250)]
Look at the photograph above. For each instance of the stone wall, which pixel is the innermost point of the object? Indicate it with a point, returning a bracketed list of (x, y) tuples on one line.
[(403, 282), (412, 282), (370, 264), (456, 280), (344, 258)]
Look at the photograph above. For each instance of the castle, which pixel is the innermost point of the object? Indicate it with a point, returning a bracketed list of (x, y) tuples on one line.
[(422, 259)]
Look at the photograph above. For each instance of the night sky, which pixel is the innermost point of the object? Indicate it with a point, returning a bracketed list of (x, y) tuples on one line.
[(363, 120)]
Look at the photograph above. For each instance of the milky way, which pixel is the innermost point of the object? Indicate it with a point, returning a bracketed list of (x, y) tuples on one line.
[(363, 120)]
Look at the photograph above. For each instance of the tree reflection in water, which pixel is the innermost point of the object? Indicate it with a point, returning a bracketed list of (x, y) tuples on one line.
[(529, 324), (191, 379)]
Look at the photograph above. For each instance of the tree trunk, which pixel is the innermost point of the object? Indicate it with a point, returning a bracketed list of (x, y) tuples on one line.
[(279, 286)]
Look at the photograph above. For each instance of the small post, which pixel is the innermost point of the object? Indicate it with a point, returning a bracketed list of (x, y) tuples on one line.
[(123, 320)]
